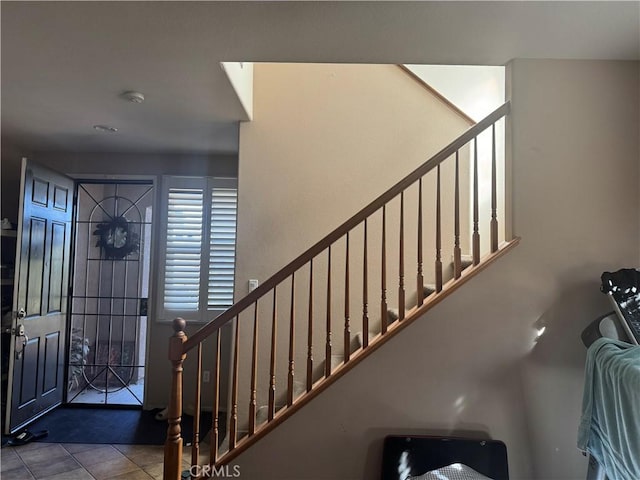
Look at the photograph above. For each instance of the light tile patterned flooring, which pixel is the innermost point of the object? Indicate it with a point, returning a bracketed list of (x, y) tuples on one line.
[(75, 461), (132, 395)]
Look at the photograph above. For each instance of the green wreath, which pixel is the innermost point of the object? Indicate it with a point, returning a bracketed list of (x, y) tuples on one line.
[(116, 240)]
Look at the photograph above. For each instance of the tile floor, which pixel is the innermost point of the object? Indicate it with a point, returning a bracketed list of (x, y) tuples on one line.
[(74, 461)]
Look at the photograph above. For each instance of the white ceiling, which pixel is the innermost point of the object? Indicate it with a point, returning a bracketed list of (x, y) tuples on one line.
[(64, 63)]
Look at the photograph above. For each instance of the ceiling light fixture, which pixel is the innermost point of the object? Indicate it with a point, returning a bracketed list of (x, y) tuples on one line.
[(105, 128), (133, 97)]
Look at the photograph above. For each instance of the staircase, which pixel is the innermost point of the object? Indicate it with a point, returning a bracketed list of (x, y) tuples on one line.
[(330, 290)]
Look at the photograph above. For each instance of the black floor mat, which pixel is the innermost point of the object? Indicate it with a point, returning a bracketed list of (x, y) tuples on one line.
[(118, 426)]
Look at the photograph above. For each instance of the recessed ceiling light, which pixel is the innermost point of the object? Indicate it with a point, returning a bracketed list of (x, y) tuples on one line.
[(133, 97), (105, 128)]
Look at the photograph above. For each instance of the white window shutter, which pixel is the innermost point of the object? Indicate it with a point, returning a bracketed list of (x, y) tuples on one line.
[(183, 249), (222, 247)]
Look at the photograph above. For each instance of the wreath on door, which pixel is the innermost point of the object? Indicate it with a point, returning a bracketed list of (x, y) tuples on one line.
[(116, 239)]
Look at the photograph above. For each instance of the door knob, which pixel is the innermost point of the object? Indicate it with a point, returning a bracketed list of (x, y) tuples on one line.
[(19, 332)]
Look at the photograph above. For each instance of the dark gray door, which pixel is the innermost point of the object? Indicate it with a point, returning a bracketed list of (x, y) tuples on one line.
[(36, 366)]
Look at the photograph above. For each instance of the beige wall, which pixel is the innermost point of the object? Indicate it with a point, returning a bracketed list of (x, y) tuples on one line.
[(325, 141), (472, 363), (576, 149), (150, 166), (10, 179)]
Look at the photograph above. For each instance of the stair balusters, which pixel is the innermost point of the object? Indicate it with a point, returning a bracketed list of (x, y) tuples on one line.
[(292, 330), (310, 331), (195, 442), (494, 193), (347, 298), (476, 206), (215, 410), (401, 303), (253, 400), (272, 364), (365, 291), (384, 312), (233, 425), (420, 278), (438, 265), (457, 253), (327, 357), (246, 422)]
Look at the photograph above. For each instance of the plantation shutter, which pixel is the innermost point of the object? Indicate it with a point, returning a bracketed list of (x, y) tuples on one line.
[(183, 249), (200, 248), (222, 247)]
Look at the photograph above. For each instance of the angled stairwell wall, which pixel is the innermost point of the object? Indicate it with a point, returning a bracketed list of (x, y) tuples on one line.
[(473, 362), (326, 140)]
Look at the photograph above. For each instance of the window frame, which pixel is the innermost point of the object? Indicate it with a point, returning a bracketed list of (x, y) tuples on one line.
[(203, 314)]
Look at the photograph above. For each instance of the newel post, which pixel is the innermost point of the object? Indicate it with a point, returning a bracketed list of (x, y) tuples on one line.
[(173, 443)]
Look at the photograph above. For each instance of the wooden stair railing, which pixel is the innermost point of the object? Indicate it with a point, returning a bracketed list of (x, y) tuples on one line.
[(239, 438)]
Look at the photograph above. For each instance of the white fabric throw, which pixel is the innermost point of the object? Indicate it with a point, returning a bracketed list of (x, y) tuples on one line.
[(455, 471)]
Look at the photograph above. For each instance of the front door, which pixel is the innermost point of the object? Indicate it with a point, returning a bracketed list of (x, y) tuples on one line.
[(36, 364)]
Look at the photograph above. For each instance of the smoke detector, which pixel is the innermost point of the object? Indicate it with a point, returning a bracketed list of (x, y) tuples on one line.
[(133, 97), (105, 128)]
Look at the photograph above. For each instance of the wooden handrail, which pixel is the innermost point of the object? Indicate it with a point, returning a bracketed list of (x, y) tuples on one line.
[(413, 314), (304, 258), (391, 320)]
